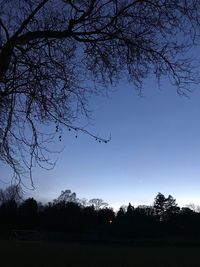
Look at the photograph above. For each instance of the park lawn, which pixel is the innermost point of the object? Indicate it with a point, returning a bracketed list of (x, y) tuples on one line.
[(47, 254)]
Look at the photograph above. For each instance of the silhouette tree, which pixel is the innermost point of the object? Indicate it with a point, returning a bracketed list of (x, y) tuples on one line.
[(11, 193), (171, 207), (8, 214), (146, 210), (98, 203), (75, 221), (28, 214), (159, 206), (121, 212), (130, 209), (82, 201), (193, 207), (105, 219), (53, 54), (66, 196), (29, 206), (89, 218), (165, 207), (106, 216)]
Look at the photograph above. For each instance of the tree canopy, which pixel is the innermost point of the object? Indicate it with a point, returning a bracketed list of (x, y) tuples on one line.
[(69, 220), (53, 54)]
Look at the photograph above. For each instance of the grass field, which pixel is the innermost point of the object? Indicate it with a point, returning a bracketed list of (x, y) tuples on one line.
[(46, 254)]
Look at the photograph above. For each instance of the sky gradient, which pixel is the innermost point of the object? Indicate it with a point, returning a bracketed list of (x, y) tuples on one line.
[(155, 147)]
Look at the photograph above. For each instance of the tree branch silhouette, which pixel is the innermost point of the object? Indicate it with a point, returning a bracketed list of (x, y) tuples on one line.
[(53, 55)]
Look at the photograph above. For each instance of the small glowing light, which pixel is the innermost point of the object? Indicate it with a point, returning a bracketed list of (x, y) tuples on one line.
[(110, 221)]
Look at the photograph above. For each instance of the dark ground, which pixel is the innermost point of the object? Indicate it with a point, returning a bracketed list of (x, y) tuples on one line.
[(155, 253)]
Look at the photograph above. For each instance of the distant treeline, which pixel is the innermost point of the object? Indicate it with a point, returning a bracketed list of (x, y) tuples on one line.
[(70, 215)]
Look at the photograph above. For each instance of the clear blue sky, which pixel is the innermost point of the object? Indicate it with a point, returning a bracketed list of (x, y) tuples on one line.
[(155, 147)]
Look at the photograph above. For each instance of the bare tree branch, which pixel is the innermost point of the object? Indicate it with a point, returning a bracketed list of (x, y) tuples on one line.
[(54, 54)]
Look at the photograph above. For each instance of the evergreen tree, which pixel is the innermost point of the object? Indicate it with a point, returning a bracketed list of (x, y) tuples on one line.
[(159, 206), (165, 207)]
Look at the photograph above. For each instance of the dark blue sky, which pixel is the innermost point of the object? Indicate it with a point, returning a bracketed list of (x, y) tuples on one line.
[(155, 147)]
